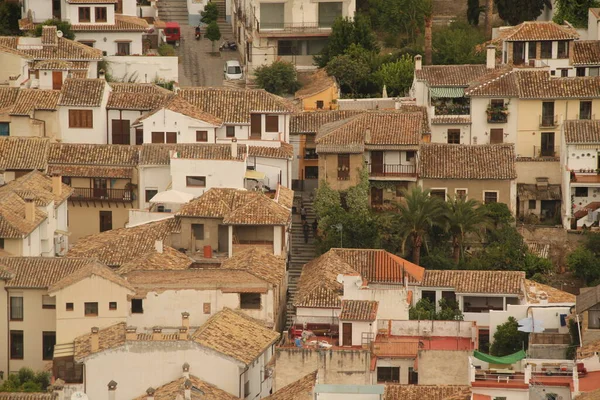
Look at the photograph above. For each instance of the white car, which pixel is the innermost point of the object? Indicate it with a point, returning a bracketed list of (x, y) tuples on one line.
[(232, 70)]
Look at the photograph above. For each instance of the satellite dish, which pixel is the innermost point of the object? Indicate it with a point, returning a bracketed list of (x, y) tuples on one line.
[(59, 33), (79, 396)]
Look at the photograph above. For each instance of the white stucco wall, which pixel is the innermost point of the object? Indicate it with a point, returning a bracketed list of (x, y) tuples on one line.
[(317, 315), (41, 10), (96, 134), (153, 177), (218, 173), (358, 328), (509, 394), (109, 46), (169, 121), (481, 127), (147, 68), (391, 298)]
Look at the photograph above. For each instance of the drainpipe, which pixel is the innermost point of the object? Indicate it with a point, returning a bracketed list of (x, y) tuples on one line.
[(42, 121), (240, 381), (107, 111), (7, 332)]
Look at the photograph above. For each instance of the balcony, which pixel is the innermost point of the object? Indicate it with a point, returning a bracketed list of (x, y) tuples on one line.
[(497, 115), (585, 176), (548, 121), (452, 109), (293, 29), (546, 152), (392, 170), (87, 194)]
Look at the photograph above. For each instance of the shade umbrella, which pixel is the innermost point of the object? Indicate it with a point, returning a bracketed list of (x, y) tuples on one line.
[(172, 196)]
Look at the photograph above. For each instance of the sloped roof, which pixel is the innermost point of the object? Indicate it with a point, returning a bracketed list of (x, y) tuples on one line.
[(302, 389), (314, 83), (82, 92), (14, 223), (92, 160), (108, 338), (136, 96), (586, 52), (537, 30), (359, 310), (452, 161), (23, 153), (181, 106), (39, 187), (466, 281), (235, 335), (425, 392), (284, 151), (93, 268), (27, 396), (451, 75), (258, 262), (8, 96), (63, 49), (285, 196), (537, 292), (311, 122), (123, 23), (582, 131), (379, 266), (30, 100), (39, 272), (118, 246), (169, 259), (235, 105), (174, 389)]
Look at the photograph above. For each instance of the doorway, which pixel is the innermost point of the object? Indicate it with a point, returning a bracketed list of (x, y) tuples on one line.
[(346, 334), (547, 148), (57, 80), (105, 221), (518, 53), (377, 162)]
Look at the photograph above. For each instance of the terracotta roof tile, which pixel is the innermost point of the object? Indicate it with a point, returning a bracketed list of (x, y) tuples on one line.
[(91, 1), (537, 292), (311, 122), (314, 83), (359, 310), (65, 49), (123, 23), (259, 210), (498, 282), (136, 96), (82, 92), (49, 35), (23, 153), (586, 52), (424, 392), (93, 154), (235, 105), (258, 262), (498, 83), (27, 396), (39, 187), (91, 171), (39, 272), (91, 269), (108, 338), (451, 75), (179, 105), (60, 65), (450, 119), (302, 389), (537, 30), (589, 350), (235, 335), (379, 266), (30, 100), (582, 131), (169, 259), (8, 96), (450, 161), (283, 150), (118, 246), (285, 196), (14, 223), (175, 389)]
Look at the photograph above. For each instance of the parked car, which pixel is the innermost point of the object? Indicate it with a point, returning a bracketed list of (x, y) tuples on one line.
[(172, 32), (232, 70)]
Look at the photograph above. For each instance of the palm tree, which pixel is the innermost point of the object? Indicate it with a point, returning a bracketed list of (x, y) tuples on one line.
[(418, 214), (464, 217)]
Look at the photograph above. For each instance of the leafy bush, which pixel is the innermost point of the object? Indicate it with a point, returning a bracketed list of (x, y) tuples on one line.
[(584, 264), (277, 78), (455, 44), (166, 50), (508, 339), (574, 11), (63, 26), (213, 33), (516, 11), (10, 13), (26, 381), (344, 33), (210, 13), (425, 310), (397, 76)]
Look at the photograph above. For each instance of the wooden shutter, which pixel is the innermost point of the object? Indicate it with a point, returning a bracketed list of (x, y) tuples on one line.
[(201, 136), (158, 137), (139, 136), (272, 123), (171, 137), (496, 136), (255, 125)]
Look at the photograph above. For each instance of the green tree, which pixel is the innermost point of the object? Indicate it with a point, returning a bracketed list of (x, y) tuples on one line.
[(351, 72), (456, 44), (464, 217), (344, 33), (10, 13), (585, 265), (574, 11), (210, 13), (277, 78), (397, 76), (25, 380), (425, 310), (516, 11), (575, 342), (473, 12), (213, 33), (417, 215), (63, 26), (508, 339)]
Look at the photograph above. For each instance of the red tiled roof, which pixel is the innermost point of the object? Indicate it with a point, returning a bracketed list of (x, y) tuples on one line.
[(359, 310)]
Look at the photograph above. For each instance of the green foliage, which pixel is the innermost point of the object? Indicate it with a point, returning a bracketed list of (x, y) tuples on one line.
[(516, 11), (210, 13), (164, 83), (499, 214), (397, 76), (344, 33), (278, 78), (25, 380), (398, 17), (425, 310), (464, 217), (455, 44), (574, 11), (351, 72), (508, 339), (585, 265), (166, 50), (63, 26), (357, 198), (10, 13), (213, 33), (574, 342), (473, 11)]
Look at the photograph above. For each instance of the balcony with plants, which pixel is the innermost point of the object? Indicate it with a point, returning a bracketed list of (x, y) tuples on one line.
[(451, 106), (497, 114)]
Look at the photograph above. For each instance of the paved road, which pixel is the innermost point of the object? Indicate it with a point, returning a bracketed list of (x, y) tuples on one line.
[(197, 67)]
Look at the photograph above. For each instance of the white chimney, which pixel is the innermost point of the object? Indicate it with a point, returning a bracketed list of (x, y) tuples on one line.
[(95, 340), (112, 388), (185, 319), (490, 60), (157, 333), (29, 208), (186, 370), (187, 386), (418, 62), (150, 393), (234, 148), (158, 245), (56, 184)]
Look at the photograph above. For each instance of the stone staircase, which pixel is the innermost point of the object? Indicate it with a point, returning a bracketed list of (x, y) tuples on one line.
[(225, 29), (222, 10), (173, 11), (301, 254)]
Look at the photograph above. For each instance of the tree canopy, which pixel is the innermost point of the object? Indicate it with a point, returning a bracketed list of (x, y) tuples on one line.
[(426, 310), (26, 381), (278, 78), (210, 13), (10, 13), (516, 11), (585, 260), (456, 43), (213, 33), (574, 11), (508, 339)]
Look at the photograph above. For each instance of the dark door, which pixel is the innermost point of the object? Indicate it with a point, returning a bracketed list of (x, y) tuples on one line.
[(376, 196), (120, 131), (255, 126), (100, 187), (346, 334), (139, 136), (171, 137), (496, 136), (518, 53), (56, 80), (547, 144), (548, 113), (377, 162), (105, 221)]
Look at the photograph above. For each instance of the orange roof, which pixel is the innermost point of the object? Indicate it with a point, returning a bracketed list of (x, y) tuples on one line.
[(477, 396), (413, 270)]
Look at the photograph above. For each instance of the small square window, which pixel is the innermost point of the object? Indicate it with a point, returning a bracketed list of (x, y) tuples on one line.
[(84, 14), (137, 306), (69, 307), (150, 193), (206, 308), (91, 309), (439, 193), (100, 14), (230, 131), (532, 204), (201, 136), (112, 305), (250, 301), (320, 104), (581, 192), (195, 181), (461, 193), (490, 197), (410, 155), (48, 302)]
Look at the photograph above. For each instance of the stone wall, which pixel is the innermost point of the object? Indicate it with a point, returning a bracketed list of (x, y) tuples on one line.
[(561, 242), (444, 367)]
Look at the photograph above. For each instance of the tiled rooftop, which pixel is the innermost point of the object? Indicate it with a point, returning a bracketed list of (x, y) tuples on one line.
[(23, 153), (123, 23), (14, 223), (181, 106), (39, 187), (379, 266), (82, 92), (136, 96), (8, 97), (537, 292), (497, 282), (314, 83), (359, 310), (537, 30), (30, 100), (27, 396), (169, 259), (108, 338), (64, 49), (425, 392), (93, 268), (582, 131), (451, 75), (258, 262), (586, 52), (39, 272), (92, 160), (311, 122), (302, 389), (175, 389)]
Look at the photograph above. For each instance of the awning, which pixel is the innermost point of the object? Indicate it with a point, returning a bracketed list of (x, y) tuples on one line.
[(172, 196), (446, 92), (251, 174), (509, 359)]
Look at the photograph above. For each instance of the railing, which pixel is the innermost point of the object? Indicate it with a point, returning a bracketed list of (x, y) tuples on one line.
[(547, 121), (585, 116), (456, 109), (499, 376), (313, 156), (124, 195), (295, 27), (545, 152), (392, 170), (496, 116)]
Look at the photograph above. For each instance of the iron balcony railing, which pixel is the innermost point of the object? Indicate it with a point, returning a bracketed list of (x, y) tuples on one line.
[(547, 121), (295, 27), (122, 195), (392, 170)]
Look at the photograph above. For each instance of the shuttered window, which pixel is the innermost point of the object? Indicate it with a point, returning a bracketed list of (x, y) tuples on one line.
[(81, 119), (272, 123)]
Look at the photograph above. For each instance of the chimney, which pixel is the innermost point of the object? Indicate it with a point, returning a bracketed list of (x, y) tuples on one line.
[(367, 135), (150, 393), (183, 333), (490, 60), (186, 370), (56, 184), (185, 319), (112, 388), (158, 245), (131, 333), (418, 62), (187, 386), (29, 208), (157, 333), (234, 149), (95, 339), (101, 74), (59, 389)]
